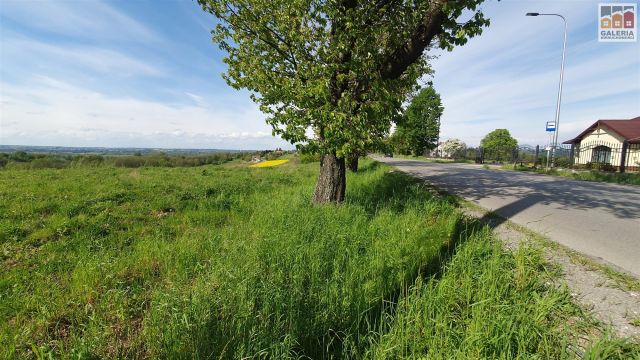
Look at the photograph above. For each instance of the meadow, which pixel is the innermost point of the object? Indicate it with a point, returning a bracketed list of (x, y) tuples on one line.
[(228, 261)]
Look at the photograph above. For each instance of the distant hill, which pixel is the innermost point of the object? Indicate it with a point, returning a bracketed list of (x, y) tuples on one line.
[(527, 147), (106, 150)]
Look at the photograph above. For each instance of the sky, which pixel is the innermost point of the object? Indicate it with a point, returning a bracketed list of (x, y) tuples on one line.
[(144, 73)]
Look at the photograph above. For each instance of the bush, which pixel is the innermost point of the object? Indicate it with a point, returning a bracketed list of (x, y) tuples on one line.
[(158, 160), (600, 167), (89, 160), (563, 162), (49, 163), (129, 161), (20, 156), (272, 155), (309, 158)]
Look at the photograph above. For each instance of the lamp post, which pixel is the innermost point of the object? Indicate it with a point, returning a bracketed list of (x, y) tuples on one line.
[(564, 47), (438, 151)]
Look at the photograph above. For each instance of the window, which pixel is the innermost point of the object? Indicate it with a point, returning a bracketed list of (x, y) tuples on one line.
[(601, 155), (616, 23), (629, 23)]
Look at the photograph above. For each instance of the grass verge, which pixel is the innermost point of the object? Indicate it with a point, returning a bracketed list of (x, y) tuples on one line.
[(621, 279), (228, 261), (628, 178)]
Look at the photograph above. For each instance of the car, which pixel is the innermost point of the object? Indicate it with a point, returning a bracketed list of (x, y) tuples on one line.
[(388, 154)]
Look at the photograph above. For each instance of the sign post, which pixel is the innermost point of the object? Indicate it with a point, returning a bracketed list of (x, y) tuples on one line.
[(551, 128)]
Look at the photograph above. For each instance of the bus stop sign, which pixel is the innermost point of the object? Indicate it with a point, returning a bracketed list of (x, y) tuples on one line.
[(551, 126)]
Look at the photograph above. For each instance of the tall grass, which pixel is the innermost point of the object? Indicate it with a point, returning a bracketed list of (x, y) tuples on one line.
[(488, 304), (231, 262)]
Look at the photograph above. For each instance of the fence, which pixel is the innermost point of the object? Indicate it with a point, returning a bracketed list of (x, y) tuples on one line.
[(595, 155), (607, 156)]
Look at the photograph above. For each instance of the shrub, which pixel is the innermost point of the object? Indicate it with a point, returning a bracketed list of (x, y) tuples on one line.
[(309, 158), (49, 163), (272, 155), (20, 156), (600, 167), (563, 162), (158, 160), (89, 160), (129, 161)]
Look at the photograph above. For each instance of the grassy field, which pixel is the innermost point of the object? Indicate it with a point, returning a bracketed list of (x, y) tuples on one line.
[(227, 261)]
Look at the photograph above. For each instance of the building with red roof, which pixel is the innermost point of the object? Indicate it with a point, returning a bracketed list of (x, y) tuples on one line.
[(629, 17), (604, 141)]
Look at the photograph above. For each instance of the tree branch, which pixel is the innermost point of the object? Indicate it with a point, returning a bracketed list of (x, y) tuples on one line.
[(407, 54)]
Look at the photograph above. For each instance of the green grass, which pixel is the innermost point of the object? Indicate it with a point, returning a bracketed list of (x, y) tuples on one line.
[(628, 178), (225, 261), (490, 304), (621, 280)]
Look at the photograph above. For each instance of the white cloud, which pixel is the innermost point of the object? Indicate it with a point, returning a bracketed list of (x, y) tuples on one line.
[(83, 19), (51, 112), (508, 77), (95, 59), (196, 98)]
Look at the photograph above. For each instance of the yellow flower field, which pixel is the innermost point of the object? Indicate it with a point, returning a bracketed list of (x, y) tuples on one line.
[(269, 163)]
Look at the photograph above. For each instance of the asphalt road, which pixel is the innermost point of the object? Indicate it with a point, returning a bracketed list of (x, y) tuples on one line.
[(600, 220)]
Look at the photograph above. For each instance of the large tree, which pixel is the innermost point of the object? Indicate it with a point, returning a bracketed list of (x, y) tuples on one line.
[(454, 148), (419, 128), (332, 74), (498, 144)]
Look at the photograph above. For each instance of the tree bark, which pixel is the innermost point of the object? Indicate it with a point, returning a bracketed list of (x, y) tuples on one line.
[(332, 180), (400, 59), (352, 163)]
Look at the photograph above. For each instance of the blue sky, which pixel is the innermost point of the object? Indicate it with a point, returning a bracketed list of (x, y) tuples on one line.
[(145, 74)]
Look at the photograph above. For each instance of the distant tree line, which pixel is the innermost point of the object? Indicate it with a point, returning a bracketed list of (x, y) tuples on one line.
[(24, 160)]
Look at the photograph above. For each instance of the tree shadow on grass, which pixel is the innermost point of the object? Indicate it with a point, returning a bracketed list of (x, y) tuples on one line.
[(369, 166), (394, 191), (352, 336), (375, 320)]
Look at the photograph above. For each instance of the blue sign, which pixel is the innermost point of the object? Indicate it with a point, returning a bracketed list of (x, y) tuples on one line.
[(551, 126)]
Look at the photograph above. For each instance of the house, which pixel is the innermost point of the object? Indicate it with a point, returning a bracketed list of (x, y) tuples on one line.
[(629, 17), (604, 141), (605, 17), (617, 17)]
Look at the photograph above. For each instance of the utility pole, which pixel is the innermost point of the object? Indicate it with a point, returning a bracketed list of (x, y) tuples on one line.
[(554, 145)]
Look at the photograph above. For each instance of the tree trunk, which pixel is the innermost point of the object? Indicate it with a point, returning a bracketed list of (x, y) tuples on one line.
[(352, 163), (332, 180)]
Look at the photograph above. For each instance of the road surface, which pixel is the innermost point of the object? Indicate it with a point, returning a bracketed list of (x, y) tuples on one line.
[(600, 220)]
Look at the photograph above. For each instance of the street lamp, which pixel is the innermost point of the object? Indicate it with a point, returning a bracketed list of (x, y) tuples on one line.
[(564, 47)]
